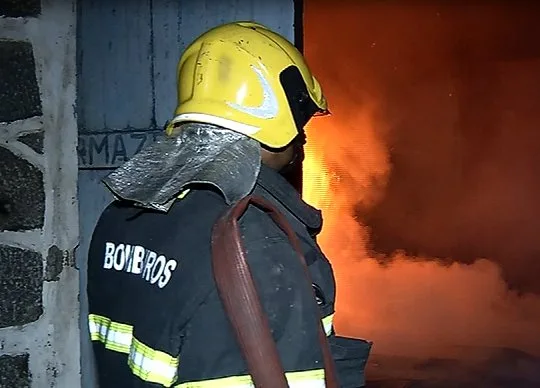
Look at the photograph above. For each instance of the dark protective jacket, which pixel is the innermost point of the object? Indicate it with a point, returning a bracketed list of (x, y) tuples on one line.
[(155, 317)]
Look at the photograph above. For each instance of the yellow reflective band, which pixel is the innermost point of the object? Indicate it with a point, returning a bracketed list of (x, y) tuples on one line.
[(183, 194), (328, 323), (304, 379), (115, 336), (152, 365), (148, 364)]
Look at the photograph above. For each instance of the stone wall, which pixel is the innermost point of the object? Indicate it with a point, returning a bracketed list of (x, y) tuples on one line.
[(39, 286)]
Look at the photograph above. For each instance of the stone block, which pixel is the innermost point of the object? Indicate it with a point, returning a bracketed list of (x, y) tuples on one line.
[(21, 286), (14, 372), (55, 263), (20, 8), (22, 196), (19, 90), (33, 140)]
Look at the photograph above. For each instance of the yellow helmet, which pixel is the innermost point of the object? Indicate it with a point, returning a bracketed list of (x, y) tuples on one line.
[(247, 78)]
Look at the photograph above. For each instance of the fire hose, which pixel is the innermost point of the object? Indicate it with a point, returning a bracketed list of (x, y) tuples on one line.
[(241, 301)]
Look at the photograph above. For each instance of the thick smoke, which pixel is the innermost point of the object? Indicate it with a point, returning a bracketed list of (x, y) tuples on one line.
[(433, 209), (459, 91)]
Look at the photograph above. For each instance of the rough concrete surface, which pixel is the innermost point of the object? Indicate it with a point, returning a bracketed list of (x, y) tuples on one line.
[(19, 91), (33, 140), (22, 196), (38, 195), (14, 371), (21, 286), (20, 8), (55, 263)]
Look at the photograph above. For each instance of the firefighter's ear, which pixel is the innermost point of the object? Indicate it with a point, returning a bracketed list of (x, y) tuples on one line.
[(277, 159)]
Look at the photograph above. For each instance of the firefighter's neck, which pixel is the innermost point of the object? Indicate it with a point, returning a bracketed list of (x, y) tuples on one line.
[(277, 159)]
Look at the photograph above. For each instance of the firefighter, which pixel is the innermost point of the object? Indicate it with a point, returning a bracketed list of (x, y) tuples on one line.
[(155, 318)]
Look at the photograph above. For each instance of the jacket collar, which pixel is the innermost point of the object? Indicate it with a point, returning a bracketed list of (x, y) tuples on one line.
[(278, 187)]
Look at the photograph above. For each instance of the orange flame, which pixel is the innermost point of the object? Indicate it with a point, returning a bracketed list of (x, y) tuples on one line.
[(409, 306), (341, 173)]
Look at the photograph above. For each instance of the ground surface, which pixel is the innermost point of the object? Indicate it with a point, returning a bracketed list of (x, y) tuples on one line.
[(461, 368)]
